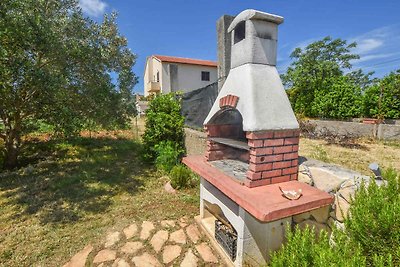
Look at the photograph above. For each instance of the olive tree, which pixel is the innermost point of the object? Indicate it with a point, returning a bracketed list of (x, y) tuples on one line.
[(58, 66)]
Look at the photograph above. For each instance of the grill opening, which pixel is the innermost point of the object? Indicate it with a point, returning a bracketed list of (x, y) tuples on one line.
[(228, 148)]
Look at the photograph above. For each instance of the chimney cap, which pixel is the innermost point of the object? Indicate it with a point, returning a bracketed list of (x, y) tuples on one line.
[(251, 14)]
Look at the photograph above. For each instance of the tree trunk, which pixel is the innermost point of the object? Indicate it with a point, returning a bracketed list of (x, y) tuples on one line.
[(11, 155), (12, 146)]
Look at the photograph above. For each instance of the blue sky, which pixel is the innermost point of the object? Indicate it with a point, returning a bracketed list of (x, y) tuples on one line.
[(186, 28)]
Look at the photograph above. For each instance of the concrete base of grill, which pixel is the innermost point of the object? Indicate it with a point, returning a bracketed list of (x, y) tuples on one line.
[(255, 239), (258, 215)]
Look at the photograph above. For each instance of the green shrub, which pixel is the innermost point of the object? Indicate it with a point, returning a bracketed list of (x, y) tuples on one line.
[(382, 100), (305, 248), (164, 122), (181, 177), (337, 98), (375, 220), (371, 236), (168, 155)]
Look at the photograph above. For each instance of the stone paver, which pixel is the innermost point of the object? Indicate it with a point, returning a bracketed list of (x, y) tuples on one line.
[(130, 231), (167, 223), (168, 188), (159, 239), (170, 253), (206, 253), (150, 244), (183, 222), (147, 228), (146, 260), (131, 247), (193, 233), (190, 260), (178, 237), (112, 239), (105, 255), (120, 263), (79, 259)]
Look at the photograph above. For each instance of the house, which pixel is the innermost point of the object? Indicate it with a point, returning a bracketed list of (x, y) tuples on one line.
[(165, 74)]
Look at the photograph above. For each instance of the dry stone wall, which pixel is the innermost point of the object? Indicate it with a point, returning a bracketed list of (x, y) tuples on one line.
[(195, 142), (337, 181), (357, 129)]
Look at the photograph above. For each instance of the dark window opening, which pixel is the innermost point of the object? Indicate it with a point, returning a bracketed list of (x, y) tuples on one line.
[(205, 75), (158, 76), (240, 31)]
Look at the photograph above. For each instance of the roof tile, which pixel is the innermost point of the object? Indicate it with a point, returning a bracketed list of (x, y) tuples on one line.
[(186, 60)]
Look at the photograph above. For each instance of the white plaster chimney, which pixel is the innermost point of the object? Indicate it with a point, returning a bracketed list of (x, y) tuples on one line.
[(254, 38), (253, 78)]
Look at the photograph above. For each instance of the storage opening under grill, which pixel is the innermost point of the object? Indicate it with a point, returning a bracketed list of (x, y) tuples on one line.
[(227, 238)]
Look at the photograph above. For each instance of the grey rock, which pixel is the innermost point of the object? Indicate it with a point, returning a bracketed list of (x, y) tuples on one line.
[(325, 179), (301, 217), (341, 208), (321, 215)]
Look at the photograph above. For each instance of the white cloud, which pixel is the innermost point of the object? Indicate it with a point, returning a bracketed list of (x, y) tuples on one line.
[(93, 8), (366, 45), (378, 49), (374, 56)]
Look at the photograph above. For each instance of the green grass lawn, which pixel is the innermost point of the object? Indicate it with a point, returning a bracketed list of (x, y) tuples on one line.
[(79, 190)]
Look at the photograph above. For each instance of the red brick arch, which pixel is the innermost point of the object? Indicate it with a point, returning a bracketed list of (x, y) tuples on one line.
[(228, 101)]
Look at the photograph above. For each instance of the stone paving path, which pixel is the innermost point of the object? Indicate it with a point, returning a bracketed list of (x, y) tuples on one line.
[(142, 244)]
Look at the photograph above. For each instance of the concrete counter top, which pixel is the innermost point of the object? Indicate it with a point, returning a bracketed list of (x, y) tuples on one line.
[(265, 203)]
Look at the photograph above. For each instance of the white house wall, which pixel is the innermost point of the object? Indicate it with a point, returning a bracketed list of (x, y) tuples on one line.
[(189, 77), (147, 75), (166, 83), (150, 75)]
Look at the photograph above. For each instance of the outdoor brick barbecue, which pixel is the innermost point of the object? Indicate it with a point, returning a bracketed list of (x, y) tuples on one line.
[(252, 149), (272, 156)]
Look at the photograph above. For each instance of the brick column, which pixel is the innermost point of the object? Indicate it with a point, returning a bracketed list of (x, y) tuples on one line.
[(273, 157)]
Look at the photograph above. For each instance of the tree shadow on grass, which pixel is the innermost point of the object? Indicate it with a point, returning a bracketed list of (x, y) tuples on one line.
[(81, 179)]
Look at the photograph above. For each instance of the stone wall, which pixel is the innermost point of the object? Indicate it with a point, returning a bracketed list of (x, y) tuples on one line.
[(357, 129), (195, 142), (337, 181), (389, 132)]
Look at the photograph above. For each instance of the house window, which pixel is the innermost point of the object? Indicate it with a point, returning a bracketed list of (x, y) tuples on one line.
[(158, 77), (205, 75)]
